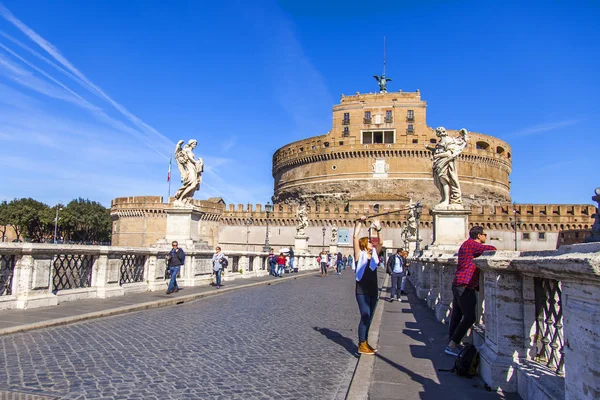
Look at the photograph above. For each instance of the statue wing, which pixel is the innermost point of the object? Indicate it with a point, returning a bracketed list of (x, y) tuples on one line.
[(388, 79), (376, 77)]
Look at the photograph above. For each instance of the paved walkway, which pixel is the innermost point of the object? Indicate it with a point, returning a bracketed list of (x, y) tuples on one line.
[(411, 350), (12, 321)]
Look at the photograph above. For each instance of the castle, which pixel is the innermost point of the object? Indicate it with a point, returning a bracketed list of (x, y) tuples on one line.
[(374, 158)]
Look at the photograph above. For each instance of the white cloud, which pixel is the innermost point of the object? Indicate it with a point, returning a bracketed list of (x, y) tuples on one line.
[(540, 128)]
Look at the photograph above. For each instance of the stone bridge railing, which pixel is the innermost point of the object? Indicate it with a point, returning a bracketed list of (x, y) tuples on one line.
[(538, 328), (37, 275)]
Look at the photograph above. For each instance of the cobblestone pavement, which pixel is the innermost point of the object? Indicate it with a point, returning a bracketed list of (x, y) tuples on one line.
[(294, 340)]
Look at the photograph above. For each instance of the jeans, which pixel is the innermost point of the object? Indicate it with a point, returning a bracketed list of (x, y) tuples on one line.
[(366, 306), (173, 282), (280, 269), (291, 264), (323, 268), (397, 284), (218, 274), (339, 268), (272, 269), (464, 304)]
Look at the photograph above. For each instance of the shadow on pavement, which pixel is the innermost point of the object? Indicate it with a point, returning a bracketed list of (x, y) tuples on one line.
[(338, 338)]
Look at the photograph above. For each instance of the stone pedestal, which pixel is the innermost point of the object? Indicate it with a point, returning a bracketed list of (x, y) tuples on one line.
[(183, 225), (450, 226), (301, 244)]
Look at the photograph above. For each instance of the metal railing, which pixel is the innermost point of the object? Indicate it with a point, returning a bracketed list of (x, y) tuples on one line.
[(366, 120), (549, 324), (132, 268), (7, 269), (72, 271)]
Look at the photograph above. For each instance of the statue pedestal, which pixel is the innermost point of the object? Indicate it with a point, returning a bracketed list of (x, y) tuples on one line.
[(301, 244), (183, 225), (450, 226)]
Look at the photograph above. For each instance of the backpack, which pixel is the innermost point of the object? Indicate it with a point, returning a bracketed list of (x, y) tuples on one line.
[(224, 263), (467, 361)]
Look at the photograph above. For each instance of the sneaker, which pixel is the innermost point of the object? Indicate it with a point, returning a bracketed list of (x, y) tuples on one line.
[(169, 291), (391, 300), (373, 349), (363, 348), (452, 351)]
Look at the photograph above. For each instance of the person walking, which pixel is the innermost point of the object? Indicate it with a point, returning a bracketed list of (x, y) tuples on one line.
[(395, 268), (175, 259), (291, 253), (464, 288), (350, 261), (406, 272), (366, 281), (339, 261), (280, 265), (344, 262), (218, 259), (272, 263), (323, 261)]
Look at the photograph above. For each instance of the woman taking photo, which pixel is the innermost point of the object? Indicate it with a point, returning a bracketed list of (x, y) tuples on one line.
[(367, 260)]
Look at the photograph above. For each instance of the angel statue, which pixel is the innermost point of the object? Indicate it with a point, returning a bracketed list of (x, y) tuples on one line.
[(302, 220), (412, 220), (190, 170), (382, 82), (334, 234), (445, 174)]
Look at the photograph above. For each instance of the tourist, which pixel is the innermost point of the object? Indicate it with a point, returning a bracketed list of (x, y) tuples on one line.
[(218, 260), (291, 253), (272, 263), (406, 272), (322, 259), (395, 267), (339, 260), (350, 261), (366, 281), (344, 262), (280, 264), (175, 259), (464, 288)]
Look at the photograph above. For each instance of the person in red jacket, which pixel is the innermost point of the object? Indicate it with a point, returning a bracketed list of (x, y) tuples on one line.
[(464, 288), (280, 264)]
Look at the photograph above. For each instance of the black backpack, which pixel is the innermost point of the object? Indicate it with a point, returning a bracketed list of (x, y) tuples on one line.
[(224, 263), (467, 361)]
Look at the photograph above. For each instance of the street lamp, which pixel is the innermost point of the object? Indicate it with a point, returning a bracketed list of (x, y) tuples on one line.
[(418, 211), (248, 222), (268, 209), (324, 231), (514, 223), (58, 208)]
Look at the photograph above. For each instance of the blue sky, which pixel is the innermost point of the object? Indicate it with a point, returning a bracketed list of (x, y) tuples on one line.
[(95, 94)]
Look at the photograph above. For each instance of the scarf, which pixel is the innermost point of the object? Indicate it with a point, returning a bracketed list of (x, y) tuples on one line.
[(363, 259)]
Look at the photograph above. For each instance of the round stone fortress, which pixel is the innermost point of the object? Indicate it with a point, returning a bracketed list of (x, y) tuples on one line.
[(376, 151)]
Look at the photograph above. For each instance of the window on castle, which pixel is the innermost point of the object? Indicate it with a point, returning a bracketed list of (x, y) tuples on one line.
[(415, 141), (367, 137), (481, 146), (542, 235), (346, 118), (410, 128), (388, 116), (367, 119), (410, 115), (326, 144), (378, 137), (346, 131), (526, 236)]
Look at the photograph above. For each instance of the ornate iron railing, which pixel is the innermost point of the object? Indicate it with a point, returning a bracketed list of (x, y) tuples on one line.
[(7, 269), (72, 271), (235, 261), (549, 324), (132, 268)]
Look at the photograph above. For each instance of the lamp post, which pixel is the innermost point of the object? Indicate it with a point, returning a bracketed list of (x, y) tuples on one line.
[(514, 223), (324, 231), (58, 208), (268, 209), (248, 222), (418, 211)]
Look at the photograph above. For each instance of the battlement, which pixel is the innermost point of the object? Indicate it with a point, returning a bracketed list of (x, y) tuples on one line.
[(381, 97), (136, 200)]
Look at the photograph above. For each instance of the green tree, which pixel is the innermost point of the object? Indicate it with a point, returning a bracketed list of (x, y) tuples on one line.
[(3, 218), (29, 218), (86, 221)]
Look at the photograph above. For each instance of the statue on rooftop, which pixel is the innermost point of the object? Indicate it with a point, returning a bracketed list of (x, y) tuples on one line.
[(190, 170), (445, 174), (382, 82)]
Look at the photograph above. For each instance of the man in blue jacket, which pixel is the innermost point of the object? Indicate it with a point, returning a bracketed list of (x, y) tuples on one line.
[(175, 259)]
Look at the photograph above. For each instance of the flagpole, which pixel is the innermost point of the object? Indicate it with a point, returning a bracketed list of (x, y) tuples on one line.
[(169, 177)]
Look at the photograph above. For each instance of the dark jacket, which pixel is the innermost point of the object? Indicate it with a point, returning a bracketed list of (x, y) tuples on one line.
[(391, 261), (176, 258)]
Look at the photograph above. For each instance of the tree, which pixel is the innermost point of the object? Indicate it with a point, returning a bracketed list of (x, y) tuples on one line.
[(3, 218), (86, 221), (29, 218)]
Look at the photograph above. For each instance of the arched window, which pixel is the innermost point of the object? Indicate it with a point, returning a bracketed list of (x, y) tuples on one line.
[(500, 150), (482, 145)]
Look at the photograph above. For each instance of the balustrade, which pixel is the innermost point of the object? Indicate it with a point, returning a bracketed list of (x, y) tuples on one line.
[(538, 317), (36, 275)]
